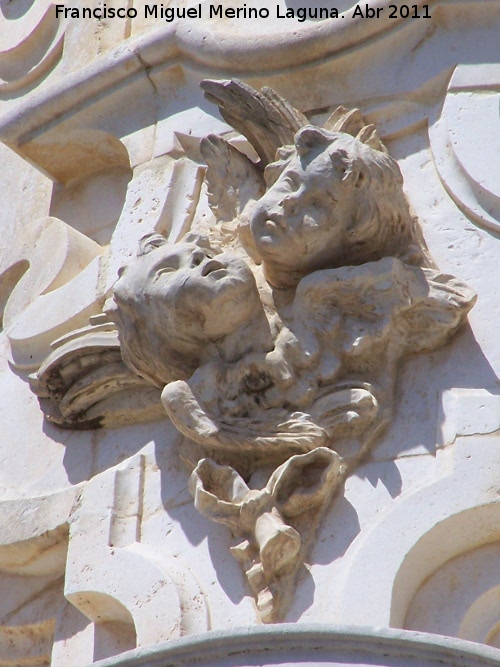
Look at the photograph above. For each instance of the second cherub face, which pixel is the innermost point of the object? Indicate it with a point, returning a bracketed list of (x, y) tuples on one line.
[(191, 291)]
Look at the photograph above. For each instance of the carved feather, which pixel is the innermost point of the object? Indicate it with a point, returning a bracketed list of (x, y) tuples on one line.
[(266, 119), (232, 178)]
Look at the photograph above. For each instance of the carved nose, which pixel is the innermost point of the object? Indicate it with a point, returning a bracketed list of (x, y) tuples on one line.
[(210, 266)]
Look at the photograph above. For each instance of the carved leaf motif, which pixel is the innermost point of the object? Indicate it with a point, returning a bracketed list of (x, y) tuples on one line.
[(266, 119), (232, 179)]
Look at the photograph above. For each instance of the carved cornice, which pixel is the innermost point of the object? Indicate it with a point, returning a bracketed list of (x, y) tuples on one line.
[(216, 52)]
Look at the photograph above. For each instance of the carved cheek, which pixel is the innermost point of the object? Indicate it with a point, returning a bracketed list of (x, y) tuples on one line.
[(259, 216), (311, 223)]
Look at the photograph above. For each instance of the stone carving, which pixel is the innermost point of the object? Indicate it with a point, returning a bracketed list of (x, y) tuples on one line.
[(21, 63), (269, 548), (279, 365), (470, 183), (84, 383), (274, 334)]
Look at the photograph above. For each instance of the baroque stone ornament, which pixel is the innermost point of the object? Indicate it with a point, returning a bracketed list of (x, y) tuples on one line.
[(275, 333)]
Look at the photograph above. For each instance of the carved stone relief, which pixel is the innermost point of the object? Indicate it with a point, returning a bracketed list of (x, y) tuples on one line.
[(272, 281), (274, 330), (31, 42)]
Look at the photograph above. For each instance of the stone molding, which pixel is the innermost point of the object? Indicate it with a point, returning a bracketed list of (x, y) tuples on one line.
[(193, 45), (305, 645)]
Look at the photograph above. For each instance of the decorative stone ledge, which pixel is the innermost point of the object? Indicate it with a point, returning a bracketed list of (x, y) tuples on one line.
[(305, 645)]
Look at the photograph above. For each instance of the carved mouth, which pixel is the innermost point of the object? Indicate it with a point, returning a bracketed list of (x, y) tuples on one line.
[(270, 233), (273, 225)]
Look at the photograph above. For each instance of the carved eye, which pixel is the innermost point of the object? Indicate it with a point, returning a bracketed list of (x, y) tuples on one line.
[(167, 265), (150, 242)]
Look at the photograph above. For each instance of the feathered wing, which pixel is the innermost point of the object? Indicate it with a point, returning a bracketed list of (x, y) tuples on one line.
[(265, 118), (232, 178), (370, 316), (411, 308), (269, 122), (440, 305)]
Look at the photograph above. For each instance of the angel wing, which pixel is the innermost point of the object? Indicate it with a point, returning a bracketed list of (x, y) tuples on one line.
[(265, 118), (232, 178), (84, 384), (412, 308), (269, 122)]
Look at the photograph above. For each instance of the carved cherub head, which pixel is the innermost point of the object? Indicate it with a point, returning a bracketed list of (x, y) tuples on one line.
[(331, 201), (173, 301)]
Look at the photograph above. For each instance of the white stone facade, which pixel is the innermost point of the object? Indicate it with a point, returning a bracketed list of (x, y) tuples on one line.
[(102, 550)]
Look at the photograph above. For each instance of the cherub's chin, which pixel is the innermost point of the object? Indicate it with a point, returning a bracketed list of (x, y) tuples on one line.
[(267, 239)]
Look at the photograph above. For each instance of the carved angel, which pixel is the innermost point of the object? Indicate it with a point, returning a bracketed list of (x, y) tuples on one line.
[(194, 324), (287, 348)]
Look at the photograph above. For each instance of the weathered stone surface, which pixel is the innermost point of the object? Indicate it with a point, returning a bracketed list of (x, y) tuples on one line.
[(339, 202), (254, 383)]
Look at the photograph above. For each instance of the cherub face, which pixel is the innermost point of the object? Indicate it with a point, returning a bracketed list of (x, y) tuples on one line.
[(300, 223), (187, 289)]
